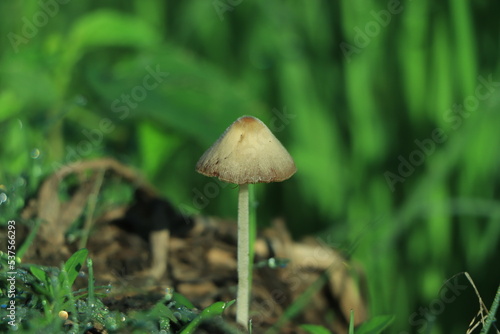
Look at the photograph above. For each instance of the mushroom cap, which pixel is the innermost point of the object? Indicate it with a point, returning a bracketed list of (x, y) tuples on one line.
[(247, 152)]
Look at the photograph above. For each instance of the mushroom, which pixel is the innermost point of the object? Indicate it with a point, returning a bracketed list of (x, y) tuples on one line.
[(247, 152)]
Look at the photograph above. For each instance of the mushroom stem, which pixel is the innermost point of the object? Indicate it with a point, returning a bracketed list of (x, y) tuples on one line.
[(242, 301)]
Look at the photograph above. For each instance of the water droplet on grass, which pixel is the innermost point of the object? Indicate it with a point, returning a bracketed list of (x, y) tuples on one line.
[(20, 182), (169, 293), (3, 198), (35, 153)]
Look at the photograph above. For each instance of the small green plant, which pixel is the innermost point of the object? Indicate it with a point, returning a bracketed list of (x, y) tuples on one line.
[(41, 293), (45, 301), (55, 289)]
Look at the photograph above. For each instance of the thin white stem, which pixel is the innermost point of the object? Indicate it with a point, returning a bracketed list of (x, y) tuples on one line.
[(242, 301)]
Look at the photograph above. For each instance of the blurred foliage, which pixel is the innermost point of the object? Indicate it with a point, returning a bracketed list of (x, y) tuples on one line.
[(389, 109)]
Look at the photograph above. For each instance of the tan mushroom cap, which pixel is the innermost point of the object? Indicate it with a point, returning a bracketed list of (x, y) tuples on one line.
[(247, 152)]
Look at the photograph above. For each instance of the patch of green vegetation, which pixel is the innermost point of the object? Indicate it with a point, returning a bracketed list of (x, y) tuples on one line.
[(45, 302)]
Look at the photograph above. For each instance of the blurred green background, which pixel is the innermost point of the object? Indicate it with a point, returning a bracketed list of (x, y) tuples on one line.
[(390, 110)]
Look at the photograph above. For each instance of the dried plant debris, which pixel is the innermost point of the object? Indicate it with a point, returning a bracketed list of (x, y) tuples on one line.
[(57, 214), (483, 317), (146, 246)]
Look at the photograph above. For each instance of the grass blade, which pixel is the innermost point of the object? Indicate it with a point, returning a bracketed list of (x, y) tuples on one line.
[(74, 264), (493, 311)]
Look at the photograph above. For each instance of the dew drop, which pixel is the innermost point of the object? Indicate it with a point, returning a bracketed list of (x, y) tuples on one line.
[(169, 293), (35, 153), (20, 182), (63, 315), (3, 198)]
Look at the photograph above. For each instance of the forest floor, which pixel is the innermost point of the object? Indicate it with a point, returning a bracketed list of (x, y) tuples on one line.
[(145, 249)]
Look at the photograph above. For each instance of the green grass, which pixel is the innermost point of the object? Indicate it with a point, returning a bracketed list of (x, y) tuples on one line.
[(43, 292)]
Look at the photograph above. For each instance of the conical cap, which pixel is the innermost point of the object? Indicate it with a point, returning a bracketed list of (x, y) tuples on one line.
[(247, 152)]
